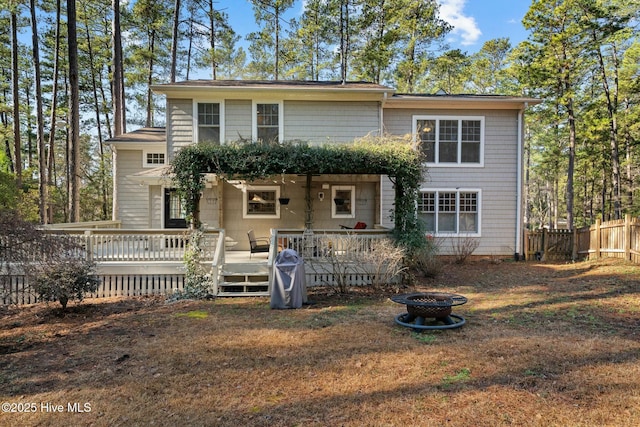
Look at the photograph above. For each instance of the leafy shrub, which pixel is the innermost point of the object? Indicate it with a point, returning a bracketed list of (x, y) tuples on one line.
[(65, 280), (197, 281), (53, 265)]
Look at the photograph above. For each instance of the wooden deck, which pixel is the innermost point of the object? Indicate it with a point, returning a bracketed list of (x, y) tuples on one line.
[(147, 262)]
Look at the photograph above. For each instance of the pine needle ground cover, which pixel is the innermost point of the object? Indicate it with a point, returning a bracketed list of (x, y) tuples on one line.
[(544, 345)]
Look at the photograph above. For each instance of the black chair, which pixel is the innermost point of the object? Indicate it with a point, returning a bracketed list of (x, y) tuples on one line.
[(254, 244)]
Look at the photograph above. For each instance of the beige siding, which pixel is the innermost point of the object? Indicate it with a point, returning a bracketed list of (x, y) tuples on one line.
[(180, 125), (156, 206), (497, 180), (210, 207), (293, 214), (320, 122), (237, 119), (133, 206)]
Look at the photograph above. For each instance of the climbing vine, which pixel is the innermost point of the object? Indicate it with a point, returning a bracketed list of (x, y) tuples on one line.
[(395, 157)]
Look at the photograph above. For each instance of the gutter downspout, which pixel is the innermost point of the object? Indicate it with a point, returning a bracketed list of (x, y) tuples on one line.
[(519, 225), (381, 178)]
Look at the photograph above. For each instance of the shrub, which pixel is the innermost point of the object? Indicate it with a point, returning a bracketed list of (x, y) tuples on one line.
[(65, 280), (382, 263), (463, 247), (425, 260), (53, 265), (387, 262), (197, 281)]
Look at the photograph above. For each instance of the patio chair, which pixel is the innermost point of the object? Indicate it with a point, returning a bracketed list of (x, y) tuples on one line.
[(359, 226), (257, 244)]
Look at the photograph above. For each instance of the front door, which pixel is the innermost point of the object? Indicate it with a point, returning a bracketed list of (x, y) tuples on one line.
[(175, 215)]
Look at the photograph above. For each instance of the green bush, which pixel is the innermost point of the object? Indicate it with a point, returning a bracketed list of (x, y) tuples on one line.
[(65, 280), (197, 281)]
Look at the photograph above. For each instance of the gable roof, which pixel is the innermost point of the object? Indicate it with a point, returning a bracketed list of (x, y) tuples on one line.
[(275, 84), (142, 136), (442, 100), (276, 89), (336, 90)]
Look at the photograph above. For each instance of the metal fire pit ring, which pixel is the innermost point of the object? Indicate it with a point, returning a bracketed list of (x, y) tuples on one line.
[(429, 305)]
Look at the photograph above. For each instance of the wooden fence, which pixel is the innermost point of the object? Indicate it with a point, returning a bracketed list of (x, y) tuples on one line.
[(611, 239)]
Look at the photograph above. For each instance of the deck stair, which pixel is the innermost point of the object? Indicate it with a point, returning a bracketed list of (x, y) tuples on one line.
[(244, 279)]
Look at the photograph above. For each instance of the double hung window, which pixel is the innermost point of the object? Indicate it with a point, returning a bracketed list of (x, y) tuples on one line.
[(450, 212), (268, 122), (451, 140), (209, 122), (261, 202)]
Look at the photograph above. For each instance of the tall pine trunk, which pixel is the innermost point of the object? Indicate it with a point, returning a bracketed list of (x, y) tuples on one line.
[(17, 146), (174, 42), (54, 109), (74, 115), (42, 156), (119, 115)]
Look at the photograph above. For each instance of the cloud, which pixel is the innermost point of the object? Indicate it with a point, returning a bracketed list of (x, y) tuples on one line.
[(464, 26)]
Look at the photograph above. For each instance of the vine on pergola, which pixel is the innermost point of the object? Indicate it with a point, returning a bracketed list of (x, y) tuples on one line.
[(394, 157)]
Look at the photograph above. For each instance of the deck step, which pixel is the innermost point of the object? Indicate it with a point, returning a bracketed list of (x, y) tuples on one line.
[(239, 279), (243, 288)]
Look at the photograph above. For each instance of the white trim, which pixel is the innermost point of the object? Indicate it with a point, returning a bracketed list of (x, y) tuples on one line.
[(245, 202), (478, 191), (458, 164), (254, 117), (334, 189), (146, 151), (196, 127), (519, 182)]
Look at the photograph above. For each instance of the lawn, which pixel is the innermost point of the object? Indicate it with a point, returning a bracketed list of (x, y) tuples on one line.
[(544, 345)]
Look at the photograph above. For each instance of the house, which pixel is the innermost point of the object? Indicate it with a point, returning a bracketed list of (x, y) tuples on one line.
[(473, 144)]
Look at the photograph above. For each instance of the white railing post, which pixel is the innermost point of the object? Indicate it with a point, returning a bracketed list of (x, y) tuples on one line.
[(89, 244)]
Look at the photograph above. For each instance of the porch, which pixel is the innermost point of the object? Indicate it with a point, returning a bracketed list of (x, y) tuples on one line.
[(148, 262)]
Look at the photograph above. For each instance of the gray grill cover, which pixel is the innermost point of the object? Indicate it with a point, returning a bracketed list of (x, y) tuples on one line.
[(289, 289)]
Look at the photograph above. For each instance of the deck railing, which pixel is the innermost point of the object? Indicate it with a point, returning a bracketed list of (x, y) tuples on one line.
[(322, 243), (129, 262), (143, 262), (105, 245)]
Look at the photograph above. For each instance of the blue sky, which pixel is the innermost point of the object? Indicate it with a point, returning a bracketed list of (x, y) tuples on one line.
[(474, 21)]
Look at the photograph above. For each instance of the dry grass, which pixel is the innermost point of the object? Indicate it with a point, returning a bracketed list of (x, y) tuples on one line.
[(544, 345)]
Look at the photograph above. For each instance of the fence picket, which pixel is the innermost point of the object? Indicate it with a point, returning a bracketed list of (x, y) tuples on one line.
[(611, 239)]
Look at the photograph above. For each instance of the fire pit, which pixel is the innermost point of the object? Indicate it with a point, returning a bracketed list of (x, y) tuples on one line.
[(431, 305)]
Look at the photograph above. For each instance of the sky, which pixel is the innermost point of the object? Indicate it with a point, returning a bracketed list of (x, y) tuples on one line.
[(474, 21)]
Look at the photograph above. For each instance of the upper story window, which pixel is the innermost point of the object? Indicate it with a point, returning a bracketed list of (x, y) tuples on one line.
[(267, 122), (152, 159), (209, 119), (450, 212), (451, 141)]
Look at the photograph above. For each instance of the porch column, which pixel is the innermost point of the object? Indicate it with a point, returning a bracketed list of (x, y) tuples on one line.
[(308, 218)]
